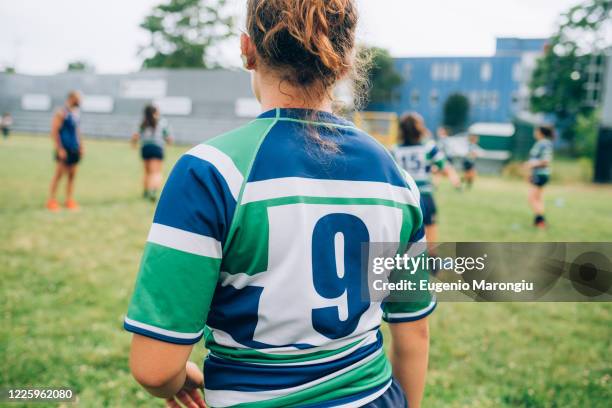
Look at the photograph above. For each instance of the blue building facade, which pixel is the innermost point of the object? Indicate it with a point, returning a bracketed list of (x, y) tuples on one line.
[(496, 86)]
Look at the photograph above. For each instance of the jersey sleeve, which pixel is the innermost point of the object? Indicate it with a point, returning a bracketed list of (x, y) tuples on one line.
[(411, 306), (435, 156), (180, 266)]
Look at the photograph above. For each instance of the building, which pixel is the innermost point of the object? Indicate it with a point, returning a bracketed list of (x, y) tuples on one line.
[(496, 86), (198, 104)]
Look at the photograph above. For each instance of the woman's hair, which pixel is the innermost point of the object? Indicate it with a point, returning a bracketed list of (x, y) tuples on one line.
[(149, 120), (310, 43), (410, 131), (547, 131)]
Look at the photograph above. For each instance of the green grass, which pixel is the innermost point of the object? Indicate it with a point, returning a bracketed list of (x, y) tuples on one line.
[(67, 277)]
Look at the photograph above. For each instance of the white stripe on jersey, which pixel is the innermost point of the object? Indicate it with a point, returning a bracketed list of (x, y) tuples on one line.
[(185, 241), (306, 187), (223, 163), (169, 333), (423, 311)]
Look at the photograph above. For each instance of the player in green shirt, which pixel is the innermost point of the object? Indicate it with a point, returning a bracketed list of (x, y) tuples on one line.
[(540, 158)]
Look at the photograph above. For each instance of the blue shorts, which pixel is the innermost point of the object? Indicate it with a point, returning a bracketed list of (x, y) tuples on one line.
[(152, 151), (539, 180), (429, 209), (394, 397)]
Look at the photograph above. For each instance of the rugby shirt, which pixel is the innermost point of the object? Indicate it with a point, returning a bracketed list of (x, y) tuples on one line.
[(542, 150), (256, 245), (418, 160)]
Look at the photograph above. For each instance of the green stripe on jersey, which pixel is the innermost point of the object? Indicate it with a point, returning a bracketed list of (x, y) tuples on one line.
[(193, 280), (372, 374), (250, 252)]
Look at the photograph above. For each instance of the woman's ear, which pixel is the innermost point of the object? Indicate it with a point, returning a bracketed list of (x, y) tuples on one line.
[(248, 52)]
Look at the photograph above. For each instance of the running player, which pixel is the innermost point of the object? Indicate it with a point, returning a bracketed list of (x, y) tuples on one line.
[(420, 157), (540, 158), (68, 150), (153, 135), (469, 161), (256, 242)]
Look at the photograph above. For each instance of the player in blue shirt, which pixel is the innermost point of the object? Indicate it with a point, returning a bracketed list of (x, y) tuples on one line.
[(68, 150), (540, 159), (256, 243)]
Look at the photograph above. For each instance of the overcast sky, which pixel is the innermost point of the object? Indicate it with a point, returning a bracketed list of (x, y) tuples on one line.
[(41, 37)]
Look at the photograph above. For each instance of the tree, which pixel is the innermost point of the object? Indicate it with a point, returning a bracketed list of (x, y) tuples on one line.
[(9, 69), (456, 112), (383, 77), (80, 66), (183, 32), (558, 85)]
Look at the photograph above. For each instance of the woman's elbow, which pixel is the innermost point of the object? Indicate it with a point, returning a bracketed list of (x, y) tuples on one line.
[(149, 377)]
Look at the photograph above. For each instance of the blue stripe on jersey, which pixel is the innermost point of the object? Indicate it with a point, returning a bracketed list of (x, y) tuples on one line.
[(349, 399), (246, 377), (159, 336), (420, 233), (235, 311), (295, 154), (197, 199)]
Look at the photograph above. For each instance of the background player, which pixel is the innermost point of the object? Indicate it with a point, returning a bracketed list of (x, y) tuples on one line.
[(419, 155), (469, 161), (68, 146), (5, 124), (257, 240), (153, 134), (540, 158)]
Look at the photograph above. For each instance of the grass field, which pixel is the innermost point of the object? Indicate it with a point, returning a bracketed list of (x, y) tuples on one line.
[(67, 277)]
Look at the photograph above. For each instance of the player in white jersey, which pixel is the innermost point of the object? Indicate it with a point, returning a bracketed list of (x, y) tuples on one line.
[(258, 237), (419, 155)]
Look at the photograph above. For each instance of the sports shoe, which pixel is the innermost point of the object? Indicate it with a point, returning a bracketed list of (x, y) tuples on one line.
[(53, 205), (72, 205)]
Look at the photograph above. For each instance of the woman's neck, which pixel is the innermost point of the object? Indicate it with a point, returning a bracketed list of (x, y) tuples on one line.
[(274, 93)]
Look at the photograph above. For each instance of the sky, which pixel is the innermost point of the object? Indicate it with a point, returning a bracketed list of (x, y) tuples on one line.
[(41, 37)]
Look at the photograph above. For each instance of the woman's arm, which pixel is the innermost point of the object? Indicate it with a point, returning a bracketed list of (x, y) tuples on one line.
[(409, 357), (450, 172), (135, 139), (159, 366)]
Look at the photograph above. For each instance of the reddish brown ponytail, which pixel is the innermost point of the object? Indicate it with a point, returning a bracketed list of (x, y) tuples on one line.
[(311, 42)]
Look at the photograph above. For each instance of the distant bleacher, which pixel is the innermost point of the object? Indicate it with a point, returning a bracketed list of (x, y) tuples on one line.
[(198, 104)]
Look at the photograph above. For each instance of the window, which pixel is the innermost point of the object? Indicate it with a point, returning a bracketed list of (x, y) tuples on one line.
[(407, 72), (434, 97), (436, 71), (517, 72), (486, 72), (455, 71), (494, 100), (415, 97), (445, 71)]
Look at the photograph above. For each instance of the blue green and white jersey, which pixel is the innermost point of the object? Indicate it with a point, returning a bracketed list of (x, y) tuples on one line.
[(418, 161), (542, 150), (256, 245), (155, 136)]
